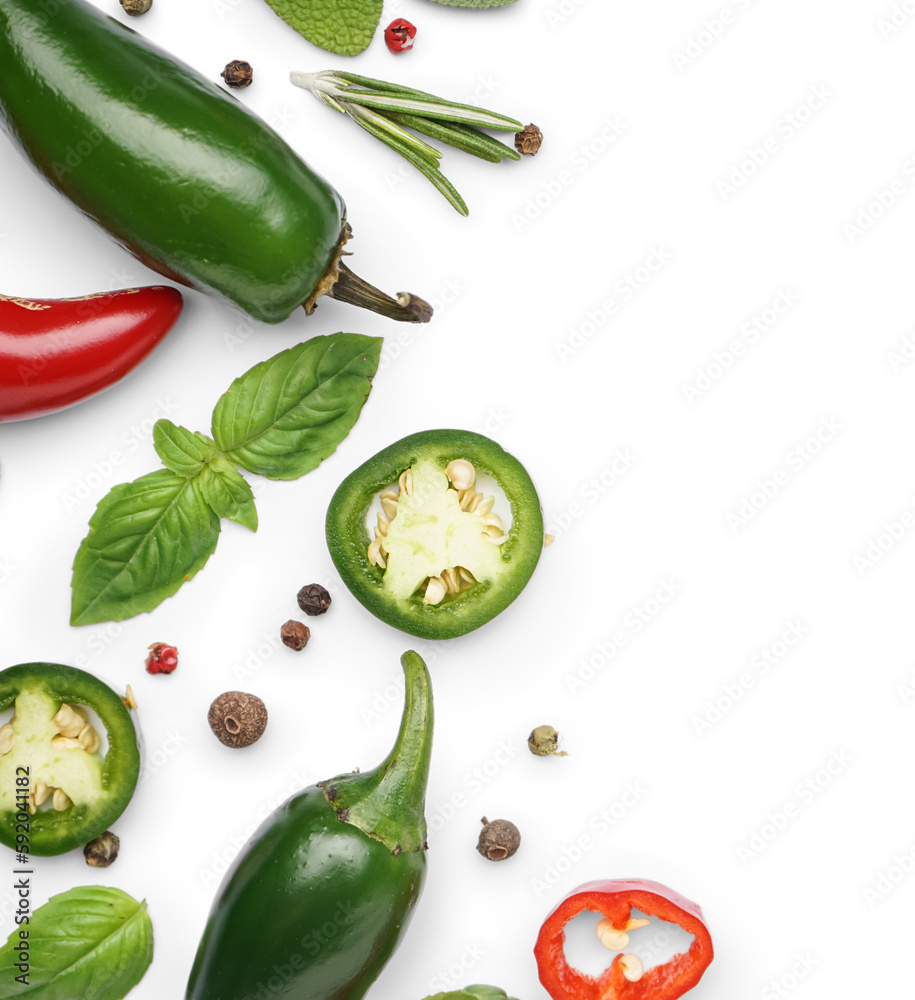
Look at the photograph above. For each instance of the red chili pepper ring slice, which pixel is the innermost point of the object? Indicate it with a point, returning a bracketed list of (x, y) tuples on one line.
[(624, 979)]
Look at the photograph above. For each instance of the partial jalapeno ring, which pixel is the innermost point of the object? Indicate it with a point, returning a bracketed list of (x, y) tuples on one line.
[(49, 754), (442, 561)]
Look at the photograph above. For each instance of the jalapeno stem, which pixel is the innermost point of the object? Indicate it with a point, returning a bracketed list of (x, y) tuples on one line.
[(388, 802), (406, 308)]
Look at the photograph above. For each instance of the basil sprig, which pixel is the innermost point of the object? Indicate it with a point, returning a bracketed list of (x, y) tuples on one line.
[(280, 420), (92, 941)]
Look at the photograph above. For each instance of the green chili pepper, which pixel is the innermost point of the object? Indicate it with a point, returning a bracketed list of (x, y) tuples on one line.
[(176, 169), (443, 562), (47, 754), (316, 904)]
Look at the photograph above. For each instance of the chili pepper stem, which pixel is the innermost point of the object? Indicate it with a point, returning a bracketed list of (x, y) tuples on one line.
[(406, 307), (388, 803), (344, 285)]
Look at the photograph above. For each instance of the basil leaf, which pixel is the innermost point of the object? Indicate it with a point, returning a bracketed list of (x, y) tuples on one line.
[(228, 493), (286, 414), (342, 26), (145, 539), (180, 450), (92, 941)]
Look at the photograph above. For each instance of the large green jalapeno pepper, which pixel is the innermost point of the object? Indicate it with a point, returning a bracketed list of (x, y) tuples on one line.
[(443, 562), (49, 754), (349, 854), (178, 171)]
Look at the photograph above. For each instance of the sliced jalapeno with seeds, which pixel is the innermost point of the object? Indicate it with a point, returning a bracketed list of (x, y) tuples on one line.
[(442, 560), (50, 756)]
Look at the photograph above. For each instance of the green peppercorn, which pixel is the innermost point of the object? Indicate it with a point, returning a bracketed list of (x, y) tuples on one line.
[(135, 7), (543, 741)]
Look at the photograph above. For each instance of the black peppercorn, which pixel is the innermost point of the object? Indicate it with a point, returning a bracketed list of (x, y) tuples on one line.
[(295, 635), (238, 74), (103, 851), (498, 840), (237, 719), (313, 599)]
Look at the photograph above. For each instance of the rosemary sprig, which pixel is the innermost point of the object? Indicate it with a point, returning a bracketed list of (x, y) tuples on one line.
[(387, 110), (464, 137), (426, 165)]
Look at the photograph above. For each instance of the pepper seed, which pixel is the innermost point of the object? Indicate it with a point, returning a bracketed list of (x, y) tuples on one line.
[(461, 473), (88, 739), (60, 800), (632, 966)]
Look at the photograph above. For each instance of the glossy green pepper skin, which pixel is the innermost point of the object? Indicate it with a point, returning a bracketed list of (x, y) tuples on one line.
[(317, 902), (348, 539), (49, 685), (178, 171)]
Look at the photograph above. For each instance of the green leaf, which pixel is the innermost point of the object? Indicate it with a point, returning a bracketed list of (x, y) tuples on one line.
[(228, 493), (342, 26), (93, 942), (287, 414), (474, 3), (145, 539), (336, 87), (404, 142), (443, 184), (424, 166), (183, 452)]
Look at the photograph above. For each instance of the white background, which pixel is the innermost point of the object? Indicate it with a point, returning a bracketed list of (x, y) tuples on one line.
[(778, 796)]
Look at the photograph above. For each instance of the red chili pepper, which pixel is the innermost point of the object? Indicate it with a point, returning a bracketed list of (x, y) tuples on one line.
[(56, 352), (399, 35), (162, 658), (624, 979)]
